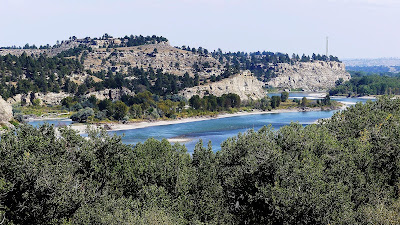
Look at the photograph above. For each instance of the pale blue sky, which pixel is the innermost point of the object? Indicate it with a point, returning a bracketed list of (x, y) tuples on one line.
[(356, 28)]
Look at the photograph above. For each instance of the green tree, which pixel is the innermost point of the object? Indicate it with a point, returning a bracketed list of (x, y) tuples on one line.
[(284, 96), (120, 110), (275, 101), (304, 102), (82, 115), (195, 102)]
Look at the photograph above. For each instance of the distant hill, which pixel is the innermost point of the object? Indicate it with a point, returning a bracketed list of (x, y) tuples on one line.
[(105, 66), (380, 65)]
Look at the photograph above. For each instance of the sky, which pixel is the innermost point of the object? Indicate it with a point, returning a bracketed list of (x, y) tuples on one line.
[(356, 28)]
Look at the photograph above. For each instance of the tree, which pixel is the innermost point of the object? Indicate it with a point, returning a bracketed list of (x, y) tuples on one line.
[(120, 110), (82, 115), (284, 96), (304, 102), (275, 101), (326, 100), (68, 102), (82, 89), (195, 102)]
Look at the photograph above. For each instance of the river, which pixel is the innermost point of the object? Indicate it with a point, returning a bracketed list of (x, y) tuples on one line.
[(218, 130)]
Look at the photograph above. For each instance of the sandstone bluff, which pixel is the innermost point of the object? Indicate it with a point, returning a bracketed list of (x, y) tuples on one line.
[(244, 84), (309, 76), (6, 113)]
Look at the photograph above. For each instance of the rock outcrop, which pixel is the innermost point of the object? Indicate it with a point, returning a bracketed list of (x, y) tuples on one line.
[(6, 113), (50, 98), (112, 94), (244, 84), (309, 76)]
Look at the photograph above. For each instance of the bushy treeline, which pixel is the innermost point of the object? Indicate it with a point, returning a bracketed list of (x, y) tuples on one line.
[(135, 40), (343, 170), (144, 105), (214, 103), (368, 85), (23, 74)]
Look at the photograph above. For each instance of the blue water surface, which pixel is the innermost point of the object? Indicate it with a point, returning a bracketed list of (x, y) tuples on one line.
[(218, 130)]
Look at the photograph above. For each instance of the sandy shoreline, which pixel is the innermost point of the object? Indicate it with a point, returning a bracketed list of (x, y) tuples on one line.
[(81, 128)]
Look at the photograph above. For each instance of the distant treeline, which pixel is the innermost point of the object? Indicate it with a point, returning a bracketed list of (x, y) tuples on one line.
[(127, 41), (367, 85), (24, 74), (146, 105), (260, 63), (343, 170)]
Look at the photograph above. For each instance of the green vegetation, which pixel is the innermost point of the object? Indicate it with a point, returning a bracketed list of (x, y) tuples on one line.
[(367, 85), (39, 110), (342, 170), (24, 74), (134, 40), (213, 103)]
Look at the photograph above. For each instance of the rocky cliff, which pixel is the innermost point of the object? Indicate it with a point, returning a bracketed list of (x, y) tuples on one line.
[(309, 76), (244, 84), (6, 113)]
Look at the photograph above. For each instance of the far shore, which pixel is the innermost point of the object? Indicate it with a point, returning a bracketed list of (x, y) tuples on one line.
[(81, 128)]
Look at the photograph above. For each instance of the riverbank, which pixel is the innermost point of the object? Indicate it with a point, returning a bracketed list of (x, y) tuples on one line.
[(81, 128)]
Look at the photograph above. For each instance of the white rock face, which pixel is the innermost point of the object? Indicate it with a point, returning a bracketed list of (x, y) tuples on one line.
[(113, 94), (245, 85), (50, 98), (6, 113), (309, 76)]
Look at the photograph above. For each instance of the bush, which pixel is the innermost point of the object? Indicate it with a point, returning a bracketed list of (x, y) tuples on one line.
[(83, 115)]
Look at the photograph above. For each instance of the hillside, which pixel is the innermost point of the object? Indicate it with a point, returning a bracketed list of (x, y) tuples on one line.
[(156, 56), (103, 66)]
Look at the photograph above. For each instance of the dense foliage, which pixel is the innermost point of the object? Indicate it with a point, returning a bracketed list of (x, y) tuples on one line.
[(132, 40), (23, 74), (343, 170), (145, 105), (213, 103), (368, 85)]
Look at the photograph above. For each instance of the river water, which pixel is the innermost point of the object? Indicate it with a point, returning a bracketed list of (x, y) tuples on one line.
[(218, 130)]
